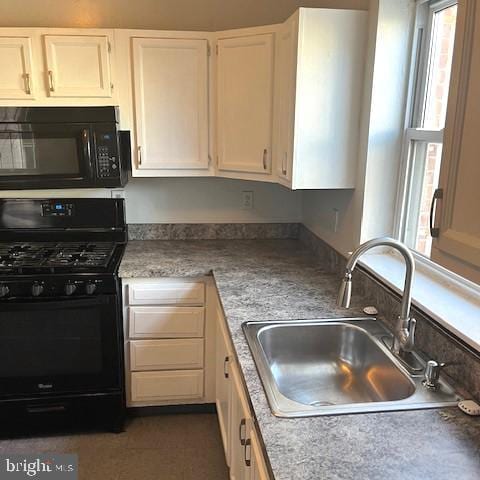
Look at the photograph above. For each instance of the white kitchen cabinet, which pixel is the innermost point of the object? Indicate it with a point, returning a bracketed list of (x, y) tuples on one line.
[(245, 72), (16, 63), (223, 361), (240, 426), (78, 65), (258, 468), (171, 103), (56, 67), (319, 71), (169, 345)]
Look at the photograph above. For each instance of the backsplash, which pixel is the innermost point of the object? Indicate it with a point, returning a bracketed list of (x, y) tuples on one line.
[(431, 339), (211, 231)]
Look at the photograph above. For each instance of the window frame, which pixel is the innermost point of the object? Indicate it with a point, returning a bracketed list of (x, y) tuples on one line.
[(414, 112)]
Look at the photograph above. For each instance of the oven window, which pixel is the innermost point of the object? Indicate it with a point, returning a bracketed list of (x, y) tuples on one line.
[(47, 342), (31, 154)]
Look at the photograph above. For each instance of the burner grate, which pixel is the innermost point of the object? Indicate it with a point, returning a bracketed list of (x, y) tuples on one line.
[(51, 255)]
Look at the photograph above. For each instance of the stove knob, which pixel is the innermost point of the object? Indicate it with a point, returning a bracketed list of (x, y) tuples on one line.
[(70, 288), (90, 287), (37, 289), (4, 290)]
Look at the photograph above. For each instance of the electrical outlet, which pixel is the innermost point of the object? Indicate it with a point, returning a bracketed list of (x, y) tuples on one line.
[(117, 193), (247, 200)]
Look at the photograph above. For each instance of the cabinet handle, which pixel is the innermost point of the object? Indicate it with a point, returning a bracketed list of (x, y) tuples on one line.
[(438, 194), (284, 163), (225, 371), (50, 81), (248, 444), (139, 150), (243, 423), (265, 154), (28, 88)]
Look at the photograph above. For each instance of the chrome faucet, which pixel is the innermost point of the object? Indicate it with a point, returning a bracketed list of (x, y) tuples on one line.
[(404, 333)]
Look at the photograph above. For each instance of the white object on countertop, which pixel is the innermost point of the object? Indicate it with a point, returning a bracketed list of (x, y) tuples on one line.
[(370, 310), (469, 407)]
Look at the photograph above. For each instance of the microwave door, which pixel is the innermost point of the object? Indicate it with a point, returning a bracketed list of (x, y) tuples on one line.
[(46, 156)]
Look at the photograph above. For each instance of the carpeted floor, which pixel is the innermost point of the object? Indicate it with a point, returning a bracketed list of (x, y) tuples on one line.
[(164, 447)]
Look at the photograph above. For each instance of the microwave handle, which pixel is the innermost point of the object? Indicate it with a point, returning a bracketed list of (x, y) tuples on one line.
[(86, 149)]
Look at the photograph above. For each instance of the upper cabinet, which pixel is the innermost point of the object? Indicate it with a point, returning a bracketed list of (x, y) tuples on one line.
[(16, 66), (319, 70), (245, 72), (171, 103), (50, 67), (457, 246), (78, 65)]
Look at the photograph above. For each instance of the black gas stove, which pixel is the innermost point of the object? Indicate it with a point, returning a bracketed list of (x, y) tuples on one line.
[(61, 339)]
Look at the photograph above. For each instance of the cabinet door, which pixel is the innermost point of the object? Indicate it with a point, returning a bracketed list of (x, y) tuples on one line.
[(171, 103), (286, 69), (245, 103), (16, 68), (258, 469), (240, 425), (78, 66), (458, 244), (223, 360)]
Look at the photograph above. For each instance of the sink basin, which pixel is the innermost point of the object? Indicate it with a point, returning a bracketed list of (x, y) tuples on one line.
[(325, 367)]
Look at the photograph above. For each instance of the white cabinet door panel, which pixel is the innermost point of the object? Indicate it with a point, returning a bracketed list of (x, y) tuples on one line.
[(245, 103), (174, 354), (78, 66), (166, 292), (167, 385), (171, 103), (16, 80), (166, 322)]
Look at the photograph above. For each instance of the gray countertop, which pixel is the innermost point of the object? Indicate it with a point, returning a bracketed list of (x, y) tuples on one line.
[(281, 279)]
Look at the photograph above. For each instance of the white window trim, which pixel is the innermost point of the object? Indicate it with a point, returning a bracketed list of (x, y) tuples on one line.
[(451, 300)]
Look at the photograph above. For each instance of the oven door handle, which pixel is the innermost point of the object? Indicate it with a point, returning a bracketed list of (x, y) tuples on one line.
[(26, 304)]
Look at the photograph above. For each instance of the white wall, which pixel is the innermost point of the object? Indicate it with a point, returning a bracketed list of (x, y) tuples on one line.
[(208, 200), (209, 15), (192, 200)]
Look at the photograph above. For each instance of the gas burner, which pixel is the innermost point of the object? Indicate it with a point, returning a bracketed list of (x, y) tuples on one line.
[(51, 256)]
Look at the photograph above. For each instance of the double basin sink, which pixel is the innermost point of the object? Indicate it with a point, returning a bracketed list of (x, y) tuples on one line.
[(325, 367)]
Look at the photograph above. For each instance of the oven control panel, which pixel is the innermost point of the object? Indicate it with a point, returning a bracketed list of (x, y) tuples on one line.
[(57, 288), (57, 209)]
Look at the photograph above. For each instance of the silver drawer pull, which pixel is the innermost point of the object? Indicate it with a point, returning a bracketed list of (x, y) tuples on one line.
[(225, 367), (265, 154), (243, 423)]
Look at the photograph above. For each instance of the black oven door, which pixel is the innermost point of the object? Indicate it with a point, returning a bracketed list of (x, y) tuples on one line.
[(46, 156), (68, 346)]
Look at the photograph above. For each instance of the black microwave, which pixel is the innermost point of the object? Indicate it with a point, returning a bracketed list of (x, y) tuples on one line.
[(62, 147)]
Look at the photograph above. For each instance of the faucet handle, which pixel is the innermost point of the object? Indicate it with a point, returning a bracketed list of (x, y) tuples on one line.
[(432, 374)]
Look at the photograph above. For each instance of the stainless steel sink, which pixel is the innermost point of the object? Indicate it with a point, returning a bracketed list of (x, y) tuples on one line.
[(326, 367)]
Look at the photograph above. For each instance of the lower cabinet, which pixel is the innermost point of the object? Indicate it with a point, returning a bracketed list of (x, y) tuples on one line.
[(243, 450)]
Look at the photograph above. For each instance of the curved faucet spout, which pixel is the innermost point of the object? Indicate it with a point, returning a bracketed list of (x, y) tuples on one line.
[(405, 328)]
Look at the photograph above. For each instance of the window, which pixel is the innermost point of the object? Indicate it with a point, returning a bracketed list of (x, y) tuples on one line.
[(422, 150)]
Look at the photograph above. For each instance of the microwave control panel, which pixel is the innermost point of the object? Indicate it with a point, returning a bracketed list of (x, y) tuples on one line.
[(107, 157)]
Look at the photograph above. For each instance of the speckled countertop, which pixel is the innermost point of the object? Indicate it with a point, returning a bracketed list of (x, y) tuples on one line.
[(280, 279)]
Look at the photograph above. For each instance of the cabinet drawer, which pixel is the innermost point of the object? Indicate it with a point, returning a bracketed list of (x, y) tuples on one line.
[(164, 386), (166, 354), (166, 322), (166, 293)]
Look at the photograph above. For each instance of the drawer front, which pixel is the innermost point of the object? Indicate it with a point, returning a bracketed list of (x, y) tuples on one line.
[(166, 322), (165, 386), (159, 293), (166, 354)]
